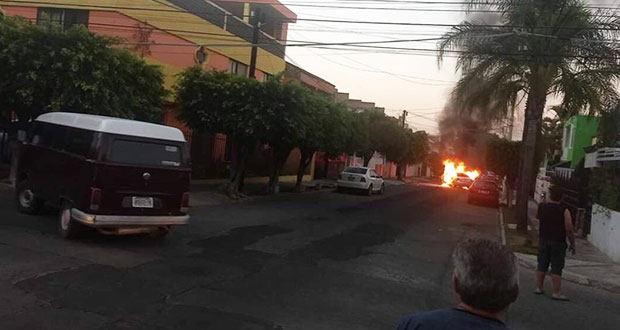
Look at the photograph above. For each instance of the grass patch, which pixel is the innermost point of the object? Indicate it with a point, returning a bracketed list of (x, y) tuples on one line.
[(521, 243)]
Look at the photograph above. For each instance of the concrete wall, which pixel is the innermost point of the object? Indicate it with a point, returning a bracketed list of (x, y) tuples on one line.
[(377, 159), (605, 231)]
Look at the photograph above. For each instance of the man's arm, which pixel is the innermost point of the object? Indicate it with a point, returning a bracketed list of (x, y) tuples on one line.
[(568, 226)]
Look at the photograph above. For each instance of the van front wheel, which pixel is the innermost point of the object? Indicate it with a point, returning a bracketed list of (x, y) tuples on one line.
[(66, 226), (25, 199)]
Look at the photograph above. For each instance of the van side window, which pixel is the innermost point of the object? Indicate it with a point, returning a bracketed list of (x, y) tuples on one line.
[(42, 135), (58, 136), (79, 142)]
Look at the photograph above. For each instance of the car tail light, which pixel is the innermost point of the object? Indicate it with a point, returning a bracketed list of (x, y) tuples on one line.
[(95, 198), (363, 180), (185, 202)]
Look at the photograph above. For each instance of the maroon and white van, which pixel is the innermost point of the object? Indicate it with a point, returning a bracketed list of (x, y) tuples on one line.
[(115, 175)]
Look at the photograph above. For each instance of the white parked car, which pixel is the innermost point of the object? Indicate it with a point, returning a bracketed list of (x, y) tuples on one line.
[(361, 178)]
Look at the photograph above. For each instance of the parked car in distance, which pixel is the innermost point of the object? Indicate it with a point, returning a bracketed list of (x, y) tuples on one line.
[(490, 176), (462, 180), (483, 191), (361, 179), (115, 175)]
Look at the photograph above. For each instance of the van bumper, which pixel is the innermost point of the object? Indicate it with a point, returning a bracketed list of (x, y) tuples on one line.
[(98, 221)]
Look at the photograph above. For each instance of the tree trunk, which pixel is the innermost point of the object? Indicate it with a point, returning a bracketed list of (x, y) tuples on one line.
[(237, 171), (279, 157), (306, 158), (326, 166), (533, 112), (400, 170)]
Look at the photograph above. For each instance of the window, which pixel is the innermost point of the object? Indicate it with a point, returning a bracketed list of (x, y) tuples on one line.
[(373, 174), (79, 142), (568, 136), (484, 185), (64, 18), (238, 68), (50, 136), (145, 153), (265, 77), (59, 136), (356, 170), (42, 135)]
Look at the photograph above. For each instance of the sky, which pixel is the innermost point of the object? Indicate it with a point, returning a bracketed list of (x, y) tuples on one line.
[(413, 82)]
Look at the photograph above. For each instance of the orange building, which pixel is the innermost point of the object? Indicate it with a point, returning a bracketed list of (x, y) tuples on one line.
[(176, 34)]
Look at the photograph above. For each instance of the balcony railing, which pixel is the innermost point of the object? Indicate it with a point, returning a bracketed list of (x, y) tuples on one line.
[(228, 22), (564, 173), (595, 158)]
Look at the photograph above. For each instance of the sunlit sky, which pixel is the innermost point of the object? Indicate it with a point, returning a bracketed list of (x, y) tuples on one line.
[(414, 81)]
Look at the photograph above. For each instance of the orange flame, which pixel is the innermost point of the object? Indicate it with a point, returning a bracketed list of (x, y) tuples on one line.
[(451, 169)]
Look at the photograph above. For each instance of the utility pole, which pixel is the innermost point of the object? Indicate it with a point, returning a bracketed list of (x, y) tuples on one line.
[(256, 16), (401, 168)]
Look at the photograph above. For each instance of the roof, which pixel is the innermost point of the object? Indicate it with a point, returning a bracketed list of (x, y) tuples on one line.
[(113, 125)]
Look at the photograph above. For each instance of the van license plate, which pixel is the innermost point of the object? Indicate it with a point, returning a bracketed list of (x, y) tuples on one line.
[(142, 202)]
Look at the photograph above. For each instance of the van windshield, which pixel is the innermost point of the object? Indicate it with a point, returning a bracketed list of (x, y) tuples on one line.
[(145, 153)]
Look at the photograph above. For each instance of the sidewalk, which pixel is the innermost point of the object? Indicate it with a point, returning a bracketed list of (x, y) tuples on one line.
[(210, 193), (588, 267)]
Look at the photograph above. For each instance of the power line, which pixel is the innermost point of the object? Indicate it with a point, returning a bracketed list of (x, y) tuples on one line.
[(376, 70), (317, 20)]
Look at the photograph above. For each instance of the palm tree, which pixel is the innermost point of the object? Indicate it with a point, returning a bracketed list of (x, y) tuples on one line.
[(540, 48)]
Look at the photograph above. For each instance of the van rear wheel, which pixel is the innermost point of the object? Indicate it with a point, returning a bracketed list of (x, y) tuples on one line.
[(67, 227), (25, 199)]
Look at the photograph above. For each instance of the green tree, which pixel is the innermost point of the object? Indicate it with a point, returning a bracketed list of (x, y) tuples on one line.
[(328, 130), (365, 136), (435, 163), (551, 144), (605, 180), (46, 68), (293, 110), (541, 47), (218, 102), (412, 148), (419, 147), (609, 126)]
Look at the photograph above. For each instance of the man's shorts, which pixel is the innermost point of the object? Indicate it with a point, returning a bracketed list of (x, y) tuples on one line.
[(551, 253)]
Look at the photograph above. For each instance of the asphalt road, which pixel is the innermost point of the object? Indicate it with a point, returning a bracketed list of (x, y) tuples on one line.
[(309, 261)]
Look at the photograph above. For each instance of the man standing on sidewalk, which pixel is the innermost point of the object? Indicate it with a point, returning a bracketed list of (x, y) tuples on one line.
[(556, 225)]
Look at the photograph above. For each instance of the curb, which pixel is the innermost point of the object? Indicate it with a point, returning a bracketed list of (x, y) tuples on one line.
[(502, 228), (571, 276), (566, 274)]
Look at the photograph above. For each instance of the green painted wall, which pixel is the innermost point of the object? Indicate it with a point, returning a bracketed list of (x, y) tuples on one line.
[(586, 128)]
